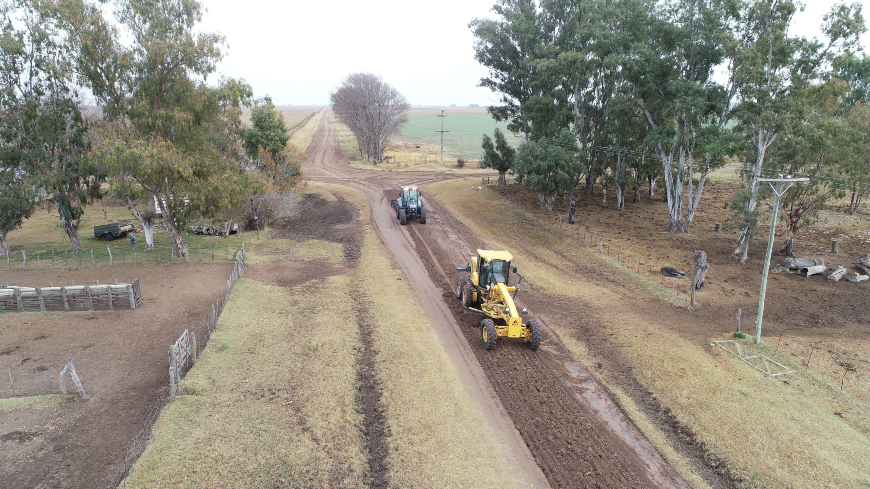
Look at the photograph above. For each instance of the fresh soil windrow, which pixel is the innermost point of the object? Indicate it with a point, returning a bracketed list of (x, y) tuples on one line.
[(369, 401), (339, 223)]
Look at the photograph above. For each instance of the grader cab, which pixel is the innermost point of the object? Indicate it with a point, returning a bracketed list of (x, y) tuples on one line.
[(483, 289)]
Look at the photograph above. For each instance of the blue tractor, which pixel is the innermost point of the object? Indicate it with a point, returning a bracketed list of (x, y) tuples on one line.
[(409, 204)]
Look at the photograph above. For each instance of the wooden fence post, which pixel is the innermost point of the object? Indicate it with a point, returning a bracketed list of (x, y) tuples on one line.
[(11, 382), (132, 299), (110, 254), (111, 303), (23, 259), (65, 300), (90, 300), (92, 257), (41, 299)]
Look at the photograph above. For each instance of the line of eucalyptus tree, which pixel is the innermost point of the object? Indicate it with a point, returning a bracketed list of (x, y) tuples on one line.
[(45, 134), (671, 69), (373, 110), (777, 73), (165, 130), (711, 79)]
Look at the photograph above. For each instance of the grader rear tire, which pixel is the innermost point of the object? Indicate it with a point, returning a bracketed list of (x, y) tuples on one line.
[(536, 335), (460, 283), (422, 216), (488, 334)]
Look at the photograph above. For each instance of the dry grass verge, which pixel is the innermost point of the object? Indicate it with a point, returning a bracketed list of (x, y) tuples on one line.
[(10, 404), (771, 433), (271, 401)]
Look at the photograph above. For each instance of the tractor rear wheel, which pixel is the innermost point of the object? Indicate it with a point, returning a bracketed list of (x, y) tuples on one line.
[(536, 335), (422, 216), (110, 237), (466, 296), (460, 283), (487, 333), (403, 218)]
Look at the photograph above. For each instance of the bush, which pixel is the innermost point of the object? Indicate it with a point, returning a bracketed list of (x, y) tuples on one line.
[(460, 163)]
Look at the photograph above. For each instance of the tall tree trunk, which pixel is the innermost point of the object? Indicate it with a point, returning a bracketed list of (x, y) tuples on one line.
[(853, 205), (147, 224), (604, 193), (674, 189), (652, 185), (589, 190), (744, 237), (501, 177), (72, 230), (4, 245), (179, 247)]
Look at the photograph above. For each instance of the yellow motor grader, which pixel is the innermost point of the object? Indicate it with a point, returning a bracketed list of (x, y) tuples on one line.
[(484, 290)]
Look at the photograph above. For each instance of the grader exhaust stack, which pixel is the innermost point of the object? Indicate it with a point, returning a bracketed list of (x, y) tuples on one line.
[(483, 289)]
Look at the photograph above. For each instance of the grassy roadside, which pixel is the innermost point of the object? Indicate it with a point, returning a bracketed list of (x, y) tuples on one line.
[(770, 433), (301, 137), (271, 402)]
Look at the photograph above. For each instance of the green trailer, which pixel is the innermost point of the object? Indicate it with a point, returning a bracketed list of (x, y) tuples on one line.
[(113, 230)]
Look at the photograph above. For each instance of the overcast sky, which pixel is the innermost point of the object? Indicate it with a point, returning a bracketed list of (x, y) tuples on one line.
[(299, 51)]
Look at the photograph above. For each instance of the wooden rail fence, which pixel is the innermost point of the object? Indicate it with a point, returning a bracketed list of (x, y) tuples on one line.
[(71, 298)]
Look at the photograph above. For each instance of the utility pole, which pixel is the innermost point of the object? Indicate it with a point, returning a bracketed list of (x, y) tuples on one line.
[(779, 191), (442, 131)]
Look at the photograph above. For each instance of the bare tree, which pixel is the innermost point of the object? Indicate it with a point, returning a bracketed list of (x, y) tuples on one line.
[(373, 110)]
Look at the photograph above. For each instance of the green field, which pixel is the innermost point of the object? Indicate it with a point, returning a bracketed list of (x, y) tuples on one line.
[(464, 136)]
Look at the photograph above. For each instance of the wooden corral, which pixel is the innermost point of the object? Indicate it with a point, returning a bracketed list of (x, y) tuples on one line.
[(71, 298)]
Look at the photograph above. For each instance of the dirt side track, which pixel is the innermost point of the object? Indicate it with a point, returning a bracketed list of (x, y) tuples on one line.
[(541, 402)]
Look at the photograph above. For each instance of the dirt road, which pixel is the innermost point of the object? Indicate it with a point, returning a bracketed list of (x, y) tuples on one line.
[(558, 427)]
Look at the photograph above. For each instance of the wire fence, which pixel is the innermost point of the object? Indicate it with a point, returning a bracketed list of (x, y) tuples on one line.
[(37, 257), (182, 356), (31, 378)]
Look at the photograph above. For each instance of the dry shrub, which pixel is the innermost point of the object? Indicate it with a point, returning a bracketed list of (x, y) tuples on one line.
[(460, 163)]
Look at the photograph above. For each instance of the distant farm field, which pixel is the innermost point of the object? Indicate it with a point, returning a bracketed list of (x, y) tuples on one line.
[(465, 125)]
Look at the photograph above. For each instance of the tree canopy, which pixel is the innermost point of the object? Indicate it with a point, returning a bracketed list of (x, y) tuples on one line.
[(373, 110)]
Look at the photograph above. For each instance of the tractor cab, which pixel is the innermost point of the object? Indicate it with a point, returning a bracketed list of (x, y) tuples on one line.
[(410, 196)]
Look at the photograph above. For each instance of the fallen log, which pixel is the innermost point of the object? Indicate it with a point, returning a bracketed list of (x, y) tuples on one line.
[(838, 274), (805, 262), (814, 270), (672, 272), (863, 264), (856, 277)]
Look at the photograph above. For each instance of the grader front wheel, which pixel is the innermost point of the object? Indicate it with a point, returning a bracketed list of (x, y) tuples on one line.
[(488, 334), (460, 283), (467, 300), (535, 342)]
